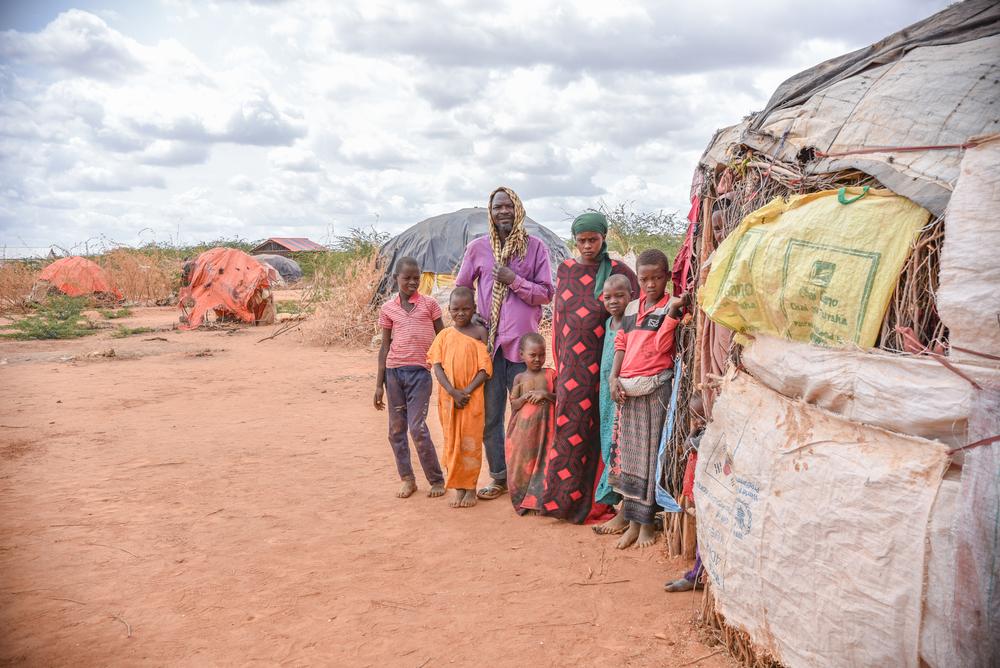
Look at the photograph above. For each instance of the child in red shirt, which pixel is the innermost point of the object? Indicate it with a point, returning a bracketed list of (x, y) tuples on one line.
[(409, 323), (640, 383)]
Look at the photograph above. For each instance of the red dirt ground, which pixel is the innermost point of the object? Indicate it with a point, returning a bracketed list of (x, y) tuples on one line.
[(209, 500)]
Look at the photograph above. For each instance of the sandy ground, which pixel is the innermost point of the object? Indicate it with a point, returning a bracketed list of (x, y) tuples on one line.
[(204, 499)]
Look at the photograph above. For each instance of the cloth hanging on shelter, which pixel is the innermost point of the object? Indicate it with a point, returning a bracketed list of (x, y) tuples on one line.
[(680, 277), (820, 267)]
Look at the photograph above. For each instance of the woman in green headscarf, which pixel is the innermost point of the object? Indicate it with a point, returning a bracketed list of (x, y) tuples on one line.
[(578, 329)]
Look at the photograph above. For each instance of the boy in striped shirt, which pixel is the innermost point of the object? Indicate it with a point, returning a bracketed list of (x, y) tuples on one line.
[(409, 323)]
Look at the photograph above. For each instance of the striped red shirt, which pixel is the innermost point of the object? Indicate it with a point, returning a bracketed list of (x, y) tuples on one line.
[(412, 332)]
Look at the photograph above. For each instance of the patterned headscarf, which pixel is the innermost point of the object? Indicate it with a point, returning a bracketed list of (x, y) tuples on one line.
[(516, 245), (593, 221)]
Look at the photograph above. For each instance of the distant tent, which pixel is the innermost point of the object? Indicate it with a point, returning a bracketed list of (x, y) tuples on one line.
[(287, 268), (438, 244), (75, 276)]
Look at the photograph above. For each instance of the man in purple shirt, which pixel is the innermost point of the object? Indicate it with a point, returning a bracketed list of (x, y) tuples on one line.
[(512, 276)]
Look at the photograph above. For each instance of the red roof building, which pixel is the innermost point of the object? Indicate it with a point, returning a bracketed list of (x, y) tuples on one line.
[(287, 246)]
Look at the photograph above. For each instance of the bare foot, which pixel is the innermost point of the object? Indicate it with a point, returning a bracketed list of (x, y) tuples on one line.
[(456, 501), (407, 489), (533, 513), (629, 536), (436, 490), (647, 535), (615, 525), (469, 499)]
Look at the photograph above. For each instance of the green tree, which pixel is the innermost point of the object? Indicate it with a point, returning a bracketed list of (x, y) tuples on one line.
[(633, 231)]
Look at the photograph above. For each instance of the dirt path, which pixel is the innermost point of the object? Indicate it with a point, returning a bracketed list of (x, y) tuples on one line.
[(206, 500)]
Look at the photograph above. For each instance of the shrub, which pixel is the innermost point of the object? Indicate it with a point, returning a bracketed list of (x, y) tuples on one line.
[(146, 276), (632, 231), (59, 317), (16, 279), (114, 314), (122, 332), (346, 304)]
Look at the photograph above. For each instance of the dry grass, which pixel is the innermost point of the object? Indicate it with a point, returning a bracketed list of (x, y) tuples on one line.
[(914, 302), (16, 279), (737, 642), (143, 277), (346, 304)]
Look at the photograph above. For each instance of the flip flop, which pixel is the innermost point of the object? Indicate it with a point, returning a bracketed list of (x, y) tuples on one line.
[(609, 532), (491, 491)]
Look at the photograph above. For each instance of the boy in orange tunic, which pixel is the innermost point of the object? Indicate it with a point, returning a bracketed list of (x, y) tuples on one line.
[(461, 365)]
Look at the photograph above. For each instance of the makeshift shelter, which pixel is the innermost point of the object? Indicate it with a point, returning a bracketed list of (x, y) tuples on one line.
[(438, 244), (848, 484), (75, 276), (231, 283), (288, 245), (287, 268)]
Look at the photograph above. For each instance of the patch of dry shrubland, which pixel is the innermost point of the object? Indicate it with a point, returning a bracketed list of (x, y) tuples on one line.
[(143, 277), (16, 279), (345, 302)]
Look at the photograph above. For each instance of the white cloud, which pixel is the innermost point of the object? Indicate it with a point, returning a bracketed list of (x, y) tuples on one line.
[(260, 118), (77, 42), (294, 159), (174, 153), (241, 183), (104, 179)]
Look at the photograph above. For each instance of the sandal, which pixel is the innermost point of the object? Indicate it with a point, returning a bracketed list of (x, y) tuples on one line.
[(492, 490)]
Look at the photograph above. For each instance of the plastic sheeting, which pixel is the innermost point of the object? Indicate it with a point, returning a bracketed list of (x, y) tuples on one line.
[(287, 268), (976, 616), (812, 529), (937, 642), (77, 276), (911, 395), (931, 84), (231, 283), (820, 267), (969, 295), (438, 243)]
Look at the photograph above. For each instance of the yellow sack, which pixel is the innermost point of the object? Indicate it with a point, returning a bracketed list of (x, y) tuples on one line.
[(426, 286), (819, 268), (429, 281)]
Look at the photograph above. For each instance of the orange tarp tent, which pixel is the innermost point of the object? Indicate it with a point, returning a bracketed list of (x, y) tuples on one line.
[(231, 283), (76, 276)]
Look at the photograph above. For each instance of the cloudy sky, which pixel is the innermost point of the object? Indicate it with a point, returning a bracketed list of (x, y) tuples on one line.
[(128, 122)]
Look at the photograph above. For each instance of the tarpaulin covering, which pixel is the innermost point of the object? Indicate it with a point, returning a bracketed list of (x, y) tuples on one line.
[(287, 268), (77, 276), (438, 243), (813, 528), (969, 296), (913, 395), (931, 84), (937, 641), (820, 267), (230, 282), (975, 613)]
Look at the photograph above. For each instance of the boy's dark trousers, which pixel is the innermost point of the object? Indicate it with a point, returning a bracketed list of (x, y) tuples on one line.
[(408, 390)]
